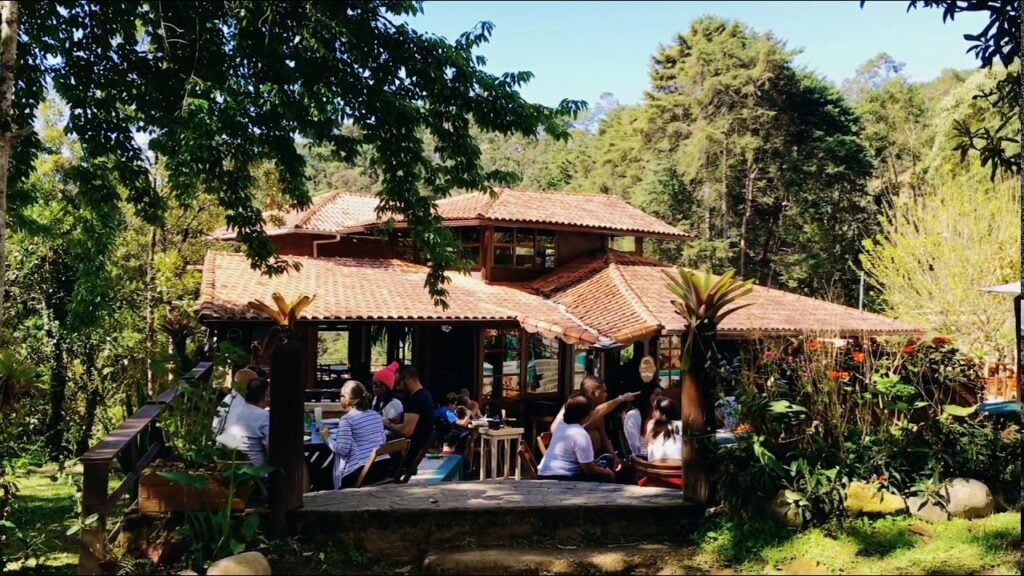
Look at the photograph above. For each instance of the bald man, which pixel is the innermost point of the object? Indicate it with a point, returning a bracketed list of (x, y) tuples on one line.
[(595, 388), (234, 398)]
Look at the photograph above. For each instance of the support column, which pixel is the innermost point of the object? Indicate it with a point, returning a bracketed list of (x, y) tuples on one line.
[(289, 373)]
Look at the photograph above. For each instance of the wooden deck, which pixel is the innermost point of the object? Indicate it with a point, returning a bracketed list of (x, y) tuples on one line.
[(409, 520)]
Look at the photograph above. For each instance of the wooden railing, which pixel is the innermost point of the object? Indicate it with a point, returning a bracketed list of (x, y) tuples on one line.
[(134, 444)]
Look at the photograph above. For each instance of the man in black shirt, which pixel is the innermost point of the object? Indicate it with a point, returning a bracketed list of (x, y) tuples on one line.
[(418, 405)]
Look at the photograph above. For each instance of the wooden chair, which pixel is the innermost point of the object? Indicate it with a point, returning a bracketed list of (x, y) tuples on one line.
[(406, 470), (543, 441), (399, 446), (526, 462), (665, 472)]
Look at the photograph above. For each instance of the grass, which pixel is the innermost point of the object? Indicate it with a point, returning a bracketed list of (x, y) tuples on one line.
[(885, 546), (44, 510)]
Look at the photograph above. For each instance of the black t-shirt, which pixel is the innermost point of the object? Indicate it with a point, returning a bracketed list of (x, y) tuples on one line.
[(421, 404)]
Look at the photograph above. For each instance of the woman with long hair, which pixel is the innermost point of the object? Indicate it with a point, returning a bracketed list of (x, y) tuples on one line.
[(664, 438)]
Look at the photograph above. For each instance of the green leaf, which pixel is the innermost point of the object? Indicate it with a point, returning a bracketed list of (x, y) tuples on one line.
[(186, 479), (954, 410)]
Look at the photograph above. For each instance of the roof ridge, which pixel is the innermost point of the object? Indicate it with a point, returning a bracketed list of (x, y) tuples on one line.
[(314, 208), (631, 296)]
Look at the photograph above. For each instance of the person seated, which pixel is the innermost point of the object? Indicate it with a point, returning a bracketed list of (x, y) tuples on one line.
[(472, 406), (384, 401), (247, 425), (570, 455), (235, 397), (418, 405), (360, 432), (664, 441), (594, 388)]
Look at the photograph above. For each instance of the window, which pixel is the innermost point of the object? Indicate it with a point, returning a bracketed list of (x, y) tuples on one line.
[(542, 369), (670, 361), (524, 248), (579, 368), (470, 238), (502, 370), (623, 243)]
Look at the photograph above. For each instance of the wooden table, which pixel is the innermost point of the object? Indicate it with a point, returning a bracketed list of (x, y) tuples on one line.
[(491, 443)]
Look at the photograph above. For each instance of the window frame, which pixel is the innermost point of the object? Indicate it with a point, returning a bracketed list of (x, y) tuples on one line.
[(539, 259)]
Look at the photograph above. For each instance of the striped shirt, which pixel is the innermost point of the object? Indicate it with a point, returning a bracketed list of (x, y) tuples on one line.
[(359, 434)]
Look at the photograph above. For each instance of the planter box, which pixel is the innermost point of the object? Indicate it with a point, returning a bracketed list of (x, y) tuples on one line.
[(158, 495)]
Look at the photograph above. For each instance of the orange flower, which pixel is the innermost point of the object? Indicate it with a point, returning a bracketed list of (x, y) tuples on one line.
[(813, 345), (742, 428), (837, 375), (909, 350), (941, 341), (858, 357), (914, 341)]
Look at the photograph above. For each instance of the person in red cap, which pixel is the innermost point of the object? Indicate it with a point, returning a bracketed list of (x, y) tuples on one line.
[(384, 401)]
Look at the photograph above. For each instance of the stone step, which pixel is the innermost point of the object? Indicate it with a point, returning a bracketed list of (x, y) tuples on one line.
[(634, 559)]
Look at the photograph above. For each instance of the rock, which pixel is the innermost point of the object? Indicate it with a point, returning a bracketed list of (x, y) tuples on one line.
[(248, 563), (968, 498), (782, 509), (188, 573), (865, 499), (925, 510)]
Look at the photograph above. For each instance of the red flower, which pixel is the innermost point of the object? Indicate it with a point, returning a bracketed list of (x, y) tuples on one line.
[(914, 341), (880, 478), (858, 357), (941, 341), (837, 375), (909, 350), (813, 345)]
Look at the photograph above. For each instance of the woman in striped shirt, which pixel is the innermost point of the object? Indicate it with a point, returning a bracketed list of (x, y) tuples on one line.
[(360, 432)]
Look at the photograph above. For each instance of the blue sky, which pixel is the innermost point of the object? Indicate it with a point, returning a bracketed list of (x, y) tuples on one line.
[(581, 49)]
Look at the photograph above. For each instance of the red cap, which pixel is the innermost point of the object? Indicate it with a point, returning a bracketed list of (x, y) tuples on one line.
[(386, 376)]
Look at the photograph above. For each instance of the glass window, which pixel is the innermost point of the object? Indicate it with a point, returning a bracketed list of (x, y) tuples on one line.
[(623, 243), (670, 361), (502, 369), (579, 368), (524, 248), (542, 369), (470, 238)]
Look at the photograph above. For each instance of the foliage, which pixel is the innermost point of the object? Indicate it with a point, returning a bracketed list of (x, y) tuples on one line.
[(215, 534), (17, 378), (896, 415), (218, 88), (702, 302)]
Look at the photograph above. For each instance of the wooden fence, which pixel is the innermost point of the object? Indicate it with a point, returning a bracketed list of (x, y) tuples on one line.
[(134, 444)]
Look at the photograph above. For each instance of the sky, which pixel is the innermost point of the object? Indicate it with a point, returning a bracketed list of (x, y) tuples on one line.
[(581, 49)]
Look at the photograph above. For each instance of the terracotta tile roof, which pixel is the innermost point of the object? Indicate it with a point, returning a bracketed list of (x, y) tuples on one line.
[(331, 213), (621, 295), (374, 290), (339, 212), (596, 211)]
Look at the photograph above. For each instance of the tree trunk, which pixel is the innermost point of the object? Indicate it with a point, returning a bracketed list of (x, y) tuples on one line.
[(289, 367), (8, 52), (92, 404), (58, 395), (150, 313), (698, 425), (748, 204)]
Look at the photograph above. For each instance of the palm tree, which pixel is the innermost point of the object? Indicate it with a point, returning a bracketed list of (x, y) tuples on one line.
[(284, 315), (702, 301)]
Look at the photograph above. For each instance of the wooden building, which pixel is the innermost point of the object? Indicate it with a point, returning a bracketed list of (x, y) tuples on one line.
[(559, 288)]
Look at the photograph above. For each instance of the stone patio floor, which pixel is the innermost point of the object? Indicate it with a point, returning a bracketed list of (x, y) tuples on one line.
[(491, 495)]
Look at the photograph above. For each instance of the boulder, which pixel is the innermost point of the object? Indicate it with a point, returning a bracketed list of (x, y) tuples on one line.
[(782, 509), (925, 510), (248, 563), (968, 498), (865, 499)]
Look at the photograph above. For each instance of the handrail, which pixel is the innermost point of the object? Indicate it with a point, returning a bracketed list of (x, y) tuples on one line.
[(137, 451)]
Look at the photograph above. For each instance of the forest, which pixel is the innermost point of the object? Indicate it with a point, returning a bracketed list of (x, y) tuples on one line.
[(861, 193)]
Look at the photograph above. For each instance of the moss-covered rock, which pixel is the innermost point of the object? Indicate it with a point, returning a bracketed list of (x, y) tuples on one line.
[(863, 499)]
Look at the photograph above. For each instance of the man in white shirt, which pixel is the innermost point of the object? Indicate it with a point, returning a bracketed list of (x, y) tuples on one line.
[(247, 425), (233, 399)]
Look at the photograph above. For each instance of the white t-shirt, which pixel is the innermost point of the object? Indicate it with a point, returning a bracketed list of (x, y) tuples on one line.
[(248, 430), (570, 446), (231, 401), (631, 424), (663, 448), (393, 411)]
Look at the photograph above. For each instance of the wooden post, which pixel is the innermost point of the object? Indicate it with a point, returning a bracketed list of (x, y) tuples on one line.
[(698, 421), (566, 369), (289, 373), (92, 550)]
